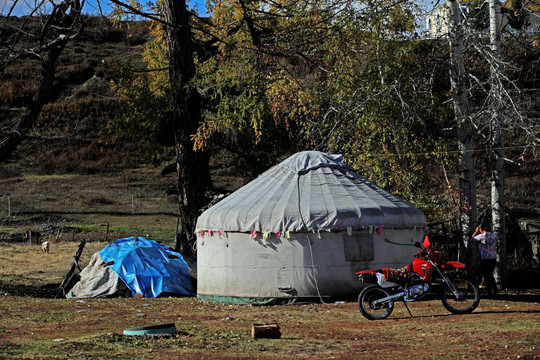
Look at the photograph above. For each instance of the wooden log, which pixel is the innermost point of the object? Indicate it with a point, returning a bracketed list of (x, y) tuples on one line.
[(268, 331), (63, 289)]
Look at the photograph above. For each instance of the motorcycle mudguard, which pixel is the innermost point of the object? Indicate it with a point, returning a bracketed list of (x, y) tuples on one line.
[(367, 276), (366, 272), (454, 264)]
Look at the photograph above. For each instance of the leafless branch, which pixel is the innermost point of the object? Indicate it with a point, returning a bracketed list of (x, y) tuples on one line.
[(143, 14)]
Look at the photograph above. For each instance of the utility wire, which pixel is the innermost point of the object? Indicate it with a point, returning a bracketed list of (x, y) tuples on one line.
[(448, 152)]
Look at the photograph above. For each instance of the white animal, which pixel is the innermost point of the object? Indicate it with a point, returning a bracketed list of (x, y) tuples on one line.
[(45, 247)]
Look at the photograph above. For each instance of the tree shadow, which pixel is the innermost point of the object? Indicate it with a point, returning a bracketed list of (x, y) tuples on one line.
[(38, 291), (502, 311), (519, 297)]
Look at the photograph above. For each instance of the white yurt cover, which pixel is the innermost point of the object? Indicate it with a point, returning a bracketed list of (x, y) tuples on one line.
[(309, 191), (301, 230)]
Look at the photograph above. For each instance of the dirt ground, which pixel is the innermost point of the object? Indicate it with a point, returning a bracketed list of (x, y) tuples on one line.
[(35, 326)]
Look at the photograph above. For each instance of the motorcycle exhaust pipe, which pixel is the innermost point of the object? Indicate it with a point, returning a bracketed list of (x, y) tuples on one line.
[(388, 298)]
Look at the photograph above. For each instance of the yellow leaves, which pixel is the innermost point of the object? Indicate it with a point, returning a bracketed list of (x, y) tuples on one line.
[(348, 107), (7, 90), (226, 16), (256, 122), (202, 136), (119, 13), (156, 59), (289, 101)]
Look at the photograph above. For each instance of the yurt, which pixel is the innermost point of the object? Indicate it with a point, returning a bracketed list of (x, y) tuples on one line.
[(301, 230)]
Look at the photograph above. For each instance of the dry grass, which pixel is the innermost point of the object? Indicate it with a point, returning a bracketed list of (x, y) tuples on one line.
[(34, 327), (26, 271)]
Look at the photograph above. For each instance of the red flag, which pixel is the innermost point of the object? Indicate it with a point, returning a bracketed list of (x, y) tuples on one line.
[(427, 243)]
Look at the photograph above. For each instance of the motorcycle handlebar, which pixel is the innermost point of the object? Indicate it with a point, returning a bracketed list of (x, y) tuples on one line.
[(424, 255)]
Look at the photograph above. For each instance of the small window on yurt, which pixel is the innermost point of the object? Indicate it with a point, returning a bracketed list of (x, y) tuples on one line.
[(358, 247)]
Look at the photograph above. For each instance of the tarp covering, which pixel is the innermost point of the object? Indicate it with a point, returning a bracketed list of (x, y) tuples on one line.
[(147, 267), (309, 191), (97, 281)]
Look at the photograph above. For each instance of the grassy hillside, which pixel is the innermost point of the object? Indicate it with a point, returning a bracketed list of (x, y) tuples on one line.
[(67, 136)]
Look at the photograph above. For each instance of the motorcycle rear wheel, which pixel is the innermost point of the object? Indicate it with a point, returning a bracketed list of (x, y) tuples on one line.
[(374, 312), (466, 303)]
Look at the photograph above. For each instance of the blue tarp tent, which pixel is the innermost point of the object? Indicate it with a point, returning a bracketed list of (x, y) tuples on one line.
[(147, 267), (142, 266)]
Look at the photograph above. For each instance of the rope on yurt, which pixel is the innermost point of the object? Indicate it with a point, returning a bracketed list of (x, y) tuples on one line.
[(307, 238), (314, 272)]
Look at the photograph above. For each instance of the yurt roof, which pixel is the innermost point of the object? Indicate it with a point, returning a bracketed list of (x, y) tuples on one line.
[(309, 191)]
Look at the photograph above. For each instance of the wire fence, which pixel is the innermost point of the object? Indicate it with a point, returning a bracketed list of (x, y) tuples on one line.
[(63, 215), (87, 202)]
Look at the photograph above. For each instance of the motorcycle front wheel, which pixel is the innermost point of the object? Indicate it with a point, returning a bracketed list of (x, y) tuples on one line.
[(373, 311), (466, 302)]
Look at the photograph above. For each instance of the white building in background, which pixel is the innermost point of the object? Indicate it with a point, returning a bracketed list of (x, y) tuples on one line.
[(437, 18)]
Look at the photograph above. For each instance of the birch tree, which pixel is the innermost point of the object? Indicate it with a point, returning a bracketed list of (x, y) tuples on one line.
[(501, 114), (497, 141), (466, 167)]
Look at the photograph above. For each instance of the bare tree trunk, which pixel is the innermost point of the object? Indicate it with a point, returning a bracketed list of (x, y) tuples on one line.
[(497, 143), (63, 20), (30, 116), (466, 167), (192, 166)]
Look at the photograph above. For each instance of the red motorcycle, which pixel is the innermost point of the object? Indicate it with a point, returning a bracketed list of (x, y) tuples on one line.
[(426, 275)]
